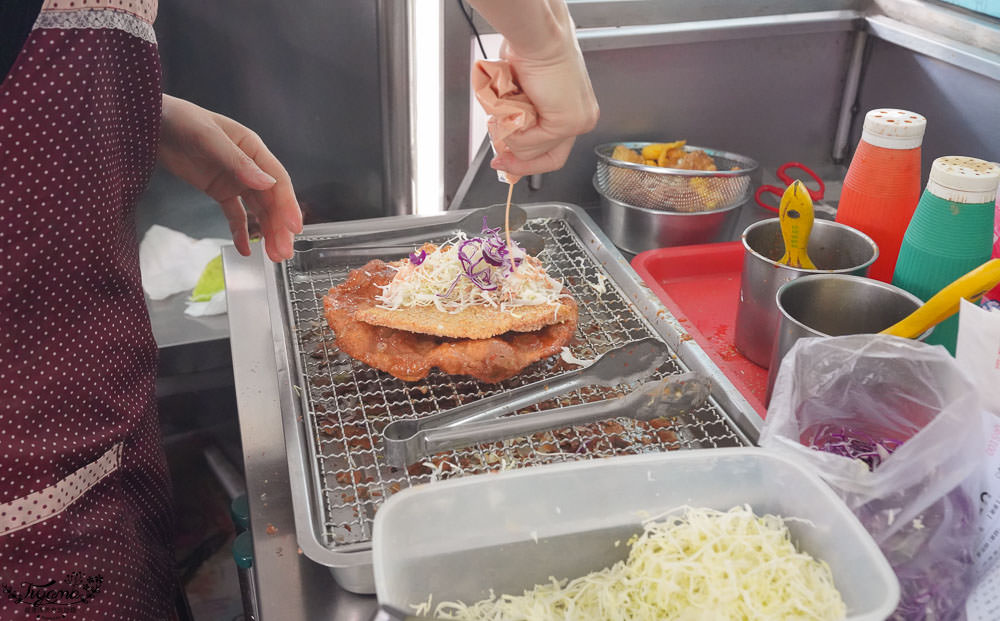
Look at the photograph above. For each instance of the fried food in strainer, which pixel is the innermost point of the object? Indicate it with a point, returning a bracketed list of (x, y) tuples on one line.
[(672, 176)]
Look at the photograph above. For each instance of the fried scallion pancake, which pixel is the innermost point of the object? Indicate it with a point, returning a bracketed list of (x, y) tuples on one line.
[(410, 356)]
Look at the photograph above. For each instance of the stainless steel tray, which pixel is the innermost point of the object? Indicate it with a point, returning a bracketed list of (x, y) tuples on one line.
[(333, 407)]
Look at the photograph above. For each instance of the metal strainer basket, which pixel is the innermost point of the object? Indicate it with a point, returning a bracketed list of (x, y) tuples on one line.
[(673, 189)]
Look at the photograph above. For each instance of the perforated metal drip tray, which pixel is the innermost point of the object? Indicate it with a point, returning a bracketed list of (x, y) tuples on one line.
[(342, 405)]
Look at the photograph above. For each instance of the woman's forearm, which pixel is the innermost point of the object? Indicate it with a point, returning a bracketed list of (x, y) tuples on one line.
[(535, 29)]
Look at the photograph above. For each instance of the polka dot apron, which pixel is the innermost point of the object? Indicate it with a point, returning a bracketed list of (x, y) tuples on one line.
[(85, 526)]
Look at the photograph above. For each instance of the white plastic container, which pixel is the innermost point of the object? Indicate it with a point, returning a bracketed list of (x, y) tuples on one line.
[(457, 539)]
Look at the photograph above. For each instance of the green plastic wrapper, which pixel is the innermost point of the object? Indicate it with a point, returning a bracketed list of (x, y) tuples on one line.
[(210, 282)]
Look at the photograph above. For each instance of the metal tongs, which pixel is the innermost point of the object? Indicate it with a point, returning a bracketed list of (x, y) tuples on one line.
[(406, 441), (471, 224), (320, 253), (531, 243)]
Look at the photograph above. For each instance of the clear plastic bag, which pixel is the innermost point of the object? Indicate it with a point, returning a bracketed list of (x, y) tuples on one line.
[(893, 426)]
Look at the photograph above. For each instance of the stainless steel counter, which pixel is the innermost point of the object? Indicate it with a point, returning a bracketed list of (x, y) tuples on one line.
[(195, 354), (172, 328), (291, 587), (194, 351)]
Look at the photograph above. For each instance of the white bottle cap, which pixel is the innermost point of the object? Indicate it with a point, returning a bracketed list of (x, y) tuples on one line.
[(893, 129), (964, 179)]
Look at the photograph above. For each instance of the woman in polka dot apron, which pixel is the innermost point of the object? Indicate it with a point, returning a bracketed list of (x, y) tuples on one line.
[(85, 517)]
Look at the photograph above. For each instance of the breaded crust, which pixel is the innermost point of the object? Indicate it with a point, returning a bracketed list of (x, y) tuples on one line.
[(410, 356), (475, 322)]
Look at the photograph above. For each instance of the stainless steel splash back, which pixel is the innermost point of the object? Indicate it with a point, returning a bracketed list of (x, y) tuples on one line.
[(303, 75), (326, 84), (724, 94), (718, 74)]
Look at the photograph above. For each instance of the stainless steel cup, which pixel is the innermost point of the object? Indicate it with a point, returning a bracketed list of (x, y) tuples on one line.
[(835, 305), (834, 248)]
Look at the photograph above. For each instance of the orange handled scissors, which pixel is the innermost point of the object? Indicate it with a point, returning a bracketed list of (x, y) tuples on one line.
[(815, 195)]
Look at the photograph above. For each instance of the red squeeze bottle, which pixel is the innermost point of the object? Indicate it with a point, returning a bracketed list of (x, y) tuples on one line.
[(882, 186)]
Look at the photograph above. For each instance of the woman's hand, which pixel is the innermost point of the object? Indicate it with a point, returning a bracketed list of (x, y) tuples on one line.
[(230, 163), (540, 44)]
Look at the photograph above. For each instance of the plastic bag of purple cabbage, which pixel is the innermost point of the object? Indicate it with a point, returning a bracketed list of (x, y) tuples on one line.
[(893, 426)]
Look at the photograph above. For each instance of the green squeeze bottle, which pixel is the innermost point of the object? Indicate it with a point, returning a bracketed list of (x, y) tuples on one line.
[(950, 234)]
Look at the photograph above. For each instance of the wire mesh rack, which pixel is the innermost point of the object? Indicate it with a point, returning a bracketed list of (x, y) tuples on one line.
[(346, 404), (671, 189)]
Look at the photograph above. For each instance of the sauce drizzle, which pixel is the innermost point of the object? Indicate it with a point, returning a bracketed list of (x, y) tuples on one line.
[(506, 216)]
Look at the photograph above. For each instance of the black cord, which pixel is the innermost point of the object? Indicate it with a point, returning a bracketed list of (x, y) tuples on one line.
[(475, 31)]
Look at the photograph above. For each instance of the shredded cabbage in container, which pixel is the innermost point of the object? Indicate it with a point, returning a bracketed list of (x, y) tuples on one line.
[(700, 565), (466, 272)]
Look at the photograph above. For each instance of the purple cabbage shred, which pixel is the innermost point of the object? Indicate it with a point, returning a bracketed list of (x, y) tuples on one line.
[(417, 259), (932, 559), (491, 250), (854, 444)]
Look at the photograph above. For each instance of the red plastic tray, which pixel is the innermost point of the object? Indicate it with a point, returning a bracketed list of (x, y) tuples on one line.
[(700, 285)]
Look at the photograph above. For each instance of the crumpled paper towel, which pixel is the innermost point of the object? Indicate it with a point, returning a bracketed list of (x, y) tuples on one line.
[(172, 262), (508, 108), (215, 306)]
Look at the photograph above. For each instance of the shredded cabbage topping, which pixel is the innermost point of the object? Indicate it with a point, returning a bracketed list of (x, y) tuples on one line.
[(466, 272), (600, 287), (567, 355), (699, 565)]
